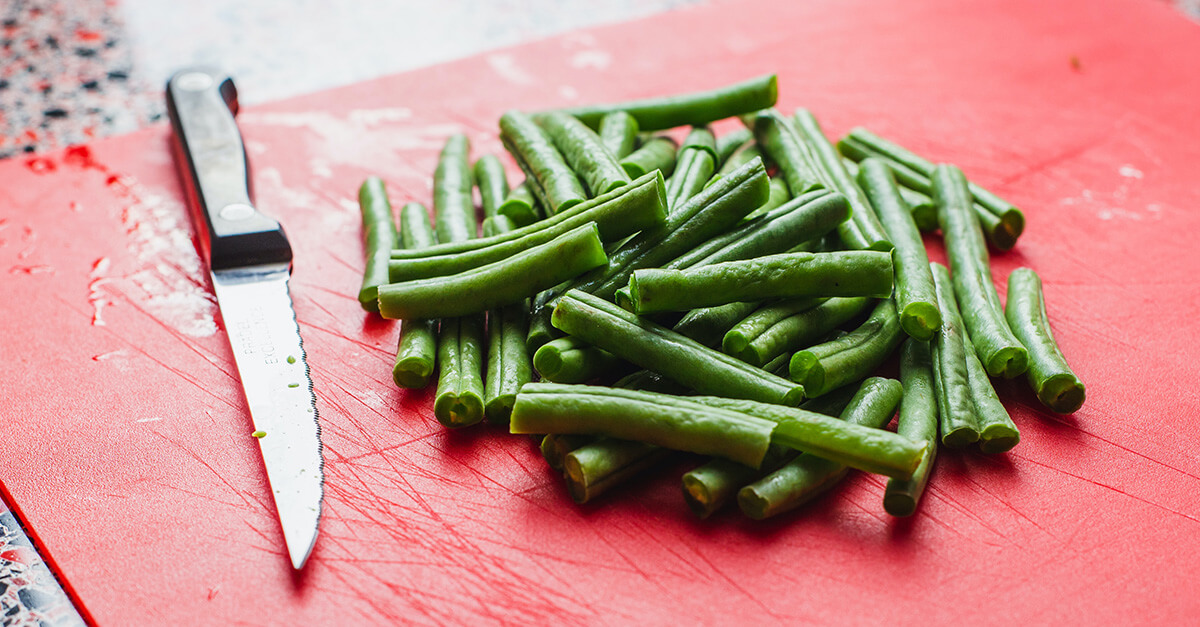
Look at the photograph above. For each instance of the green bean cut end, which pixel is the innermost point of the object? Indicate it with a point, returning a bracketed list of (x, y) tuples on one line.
[(806, 369), (1008, 362), (499, 409), (961, 437), (899, 504), (456, 411), (697, 497), (998, 438), (1062, 393), (753, 504), (412, 372), (920, 320)]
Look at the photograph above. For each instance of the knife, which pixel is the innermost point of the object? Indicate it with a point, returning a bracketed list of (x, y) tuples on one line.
[(250, 261)]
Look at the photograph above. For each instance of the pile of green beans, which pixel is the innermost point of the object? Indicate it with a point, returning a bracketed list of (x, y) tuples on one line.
[(733, 295)]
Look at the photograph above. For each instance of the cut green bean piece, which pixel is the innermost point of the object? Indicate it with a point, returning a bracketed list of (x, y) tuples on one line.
[(497, 224), (520, 205), (708, 325), (535, 153), (668, 353), (620, 213), (1052, 379), (618, 132), (595, 467), (709, 487), (745, 155), (999, 350), (693, 109), (583, 152), (492, 182), (379, 238), (1011, 220), (452, 203), (870, 449), (830, 171), (781, 328), (838, 362), (920, 205), (540, 329), (570, 360), (997, 433), (707, 214), (656, 154), (777, 197), (508, 364), (958, 422), (807, 476), (555, 447), (779, 230), (778, 139), (497, 284), (659, 419), (459, 400), (695, 164), (915, 297), (732, 142), (788, 275), (416, 353), (918, 422)]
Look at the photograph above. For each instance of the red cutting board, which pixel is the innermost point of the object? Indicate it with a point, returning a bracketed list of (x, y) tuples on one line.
[(127, 447)]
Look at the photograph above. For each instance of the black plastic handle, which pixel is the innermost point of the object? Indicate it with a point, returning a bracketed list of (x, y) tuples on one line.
[(211, 157)]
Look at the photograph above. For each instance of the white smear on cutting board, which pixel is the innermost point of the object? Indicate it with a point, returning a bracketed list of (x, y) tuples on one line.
[(591, 59), (1114, 205), (505, 65)]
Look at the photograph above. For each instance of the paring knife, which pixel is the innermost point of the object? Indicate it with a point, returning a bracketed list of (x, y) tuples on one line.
[(250, 260)]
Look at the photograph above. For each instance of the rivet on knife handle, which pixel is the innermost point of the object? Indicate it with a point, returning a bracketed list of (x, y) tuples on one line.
[(201, 103)]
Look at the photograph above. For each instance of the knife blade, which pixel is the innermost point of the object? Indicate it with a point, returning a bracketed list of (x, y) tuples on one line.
[(250, 260)]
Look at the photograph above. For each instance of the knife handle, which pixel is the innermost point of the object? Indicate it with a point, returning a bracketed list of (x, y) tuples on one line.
[(202, 103)]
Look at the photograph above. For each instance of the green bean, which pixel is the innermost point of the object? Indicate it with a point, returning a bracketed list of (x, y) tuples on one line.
[(659, 419), (497, 224), (620, 213), (595, 467), (452, 202), (499, 283), (1011, 220), (666, 352), (707, 214), (918, 422), (416, 354), (492, 182), (915, 297), (656, 154), (555, 447), (866, 448), (569, 360), (709, 487), (835, 363), (998, 234), (695, 163), (508, 365), (744, 155), (540, 329), (780, 328), (997, 433), (1056, 385), (618, 132), (830, 171), (379, 238), (693, 109), (732, 142), (777, 197), (521, 205), (778, 139), (958, 422), (583, 152), (812, 215), (787, 275), (460, 394), (808, 475), (709, 324), (542, 163), (920, 205), (999, 350)]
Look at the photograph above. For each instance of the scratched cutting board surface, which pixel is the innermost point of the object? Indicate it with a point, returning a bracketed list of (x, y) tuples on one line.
[(127, 445)]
